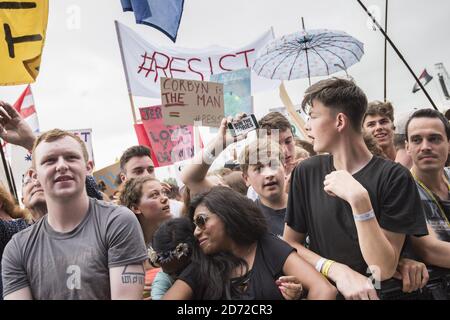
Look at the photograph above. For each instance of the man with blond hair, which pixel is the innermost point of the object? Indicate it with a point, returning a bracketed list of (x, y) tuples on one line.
[(83, 248), (263, 168)]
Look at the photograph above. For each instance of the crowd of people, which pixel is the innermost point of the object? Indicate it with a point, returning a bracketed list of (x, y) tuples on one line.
[(364, 203)]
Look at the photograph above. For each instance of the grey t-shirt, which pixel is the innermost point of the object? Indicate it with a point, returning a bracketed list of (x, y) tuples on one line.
[(74, 265)]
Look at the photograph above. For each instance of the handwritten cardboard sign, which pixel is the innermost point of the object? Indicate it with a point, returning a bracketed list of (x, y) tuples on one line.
[(186, 102), (170, 144), (107, 177)]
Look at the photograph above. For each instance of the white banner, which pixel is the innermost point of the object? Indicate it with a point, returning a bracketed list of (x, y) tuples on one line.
[(146, 63), (86, 136)]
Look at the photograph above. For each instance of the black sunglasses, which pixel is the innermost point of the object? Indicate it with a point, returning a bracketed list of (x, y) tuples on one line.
[(200, 220)]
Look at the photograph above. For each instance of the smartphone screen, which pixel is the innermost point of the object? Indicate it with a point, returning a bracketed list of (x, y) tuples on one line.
[(243, 126)]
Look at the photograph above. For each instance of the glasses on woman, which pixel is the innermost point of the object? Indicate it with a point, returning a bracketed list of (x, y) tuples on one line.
[(200, 220)]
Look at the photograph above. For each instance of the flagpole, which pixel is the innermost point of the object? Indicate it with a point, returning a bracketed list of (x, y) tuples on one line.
[(385, 49), (399, 55), (125, 71), (16, 194), (7, 173)]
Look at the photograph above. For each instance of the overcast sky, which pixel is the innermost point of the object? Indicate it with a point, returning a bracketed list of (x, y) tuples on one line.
[(82, 84)]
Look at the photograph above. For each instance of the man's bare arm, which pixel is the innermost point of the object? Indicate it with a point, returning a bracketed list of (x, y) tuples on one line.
[(194, 174), (351, 284), (127, 283), (432, 250), (22, 294), (380, 248)]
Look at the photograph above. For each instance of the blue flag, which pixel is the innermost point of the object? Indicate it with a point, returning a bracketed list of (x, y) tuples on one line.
[(164, 15)]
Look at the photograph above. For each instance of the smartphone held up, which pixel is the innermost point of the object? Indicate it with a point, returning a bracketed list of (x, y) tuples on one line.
[(243, 126)]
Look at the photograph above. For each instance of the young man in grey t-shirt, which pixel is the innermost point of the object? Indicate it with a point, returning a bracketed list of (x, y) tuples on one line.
[(83, 248)]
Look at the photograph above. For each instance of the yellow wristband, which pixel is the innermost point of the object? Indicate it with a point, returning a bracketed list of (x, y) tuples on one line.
[(326, 267)]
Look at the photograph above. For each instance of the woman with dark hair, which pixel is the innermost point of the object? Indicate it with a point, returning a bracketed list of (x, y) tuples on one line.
[(175, 247), (244, 260)]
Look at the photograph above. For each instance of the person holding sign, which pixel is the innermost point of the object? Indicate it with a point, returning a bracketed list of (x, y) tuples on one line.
[(194, 175)]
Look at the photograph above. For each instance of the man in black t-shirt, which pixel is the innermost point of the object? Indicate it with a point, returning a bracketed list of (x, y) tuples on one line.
[(428, 136), (263, 168), (355, 208)]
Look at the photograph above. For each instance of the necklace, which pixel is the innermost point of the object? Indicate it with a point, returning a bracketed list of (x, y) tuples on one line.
[(431, 195)]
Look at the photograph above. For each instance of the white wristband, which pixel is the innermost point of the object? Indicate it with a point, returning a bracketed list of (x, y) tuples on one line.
[(320, 263), (364, 216)]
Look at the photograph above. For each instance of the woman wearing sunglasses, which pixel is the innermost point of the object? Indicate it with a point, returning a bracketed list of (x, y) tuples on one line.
[(175, 247), (245, 261)]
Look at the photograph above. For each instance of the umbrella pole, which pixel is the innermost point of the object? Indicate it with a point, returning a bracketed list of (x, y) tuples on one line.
[(306, 53), (307, 63), (385, 51), (399, 55)]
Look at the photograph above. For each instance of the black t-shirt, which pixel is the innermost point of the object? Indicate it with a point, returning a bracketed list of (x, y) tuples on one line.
[(271, 255), (191, 276), (329, 220), (274, 218)]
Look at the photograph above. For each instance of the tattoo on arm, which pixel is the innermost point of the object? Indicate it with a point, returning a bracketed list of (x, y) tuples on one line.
[(129, 277)]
